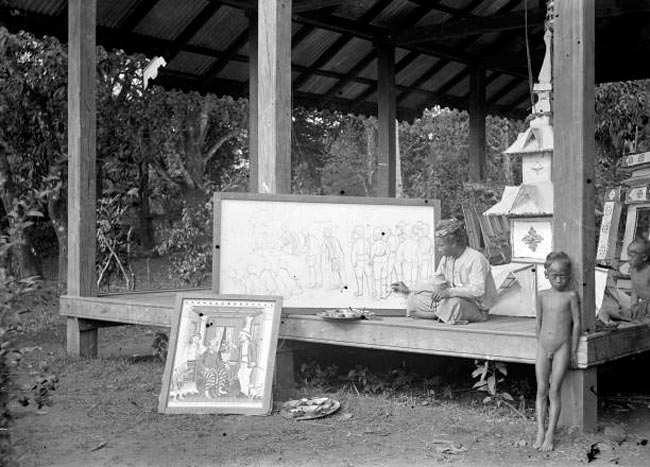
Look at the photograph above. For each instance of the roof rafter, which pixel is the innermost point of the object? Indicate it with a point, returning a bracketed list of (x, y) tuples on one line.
[(339, 43), (443, 62), (468, 27), (191, 29), (310, 5), (412, 18)]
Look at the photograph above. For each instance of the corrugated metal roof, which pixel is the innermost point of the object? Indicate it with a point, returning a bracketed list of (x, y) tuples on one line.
[(187, 62), (168, 18), (442, 40), (44, 7), (309, 50), (217, 33), (348, 55)]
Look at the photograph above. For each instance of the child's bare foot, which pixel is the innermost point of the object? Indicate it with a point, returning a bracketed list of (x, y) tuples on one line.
[(547, 445), (539, 440)]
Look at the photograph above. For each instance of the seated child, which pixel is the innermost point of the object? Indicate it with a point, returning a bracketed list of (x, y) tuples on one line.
[(419, 302), (557, 329), (639, 254)]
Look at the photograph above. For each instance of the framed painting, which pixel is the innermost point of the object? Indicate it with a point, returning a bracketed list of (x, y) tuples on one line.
[(221, 355), (320, 252)]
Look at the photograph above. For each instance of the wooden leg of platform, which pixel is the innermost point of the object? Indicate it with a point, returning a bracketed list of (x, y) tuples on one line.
[(580, 399), (82, 338), (284, 382)]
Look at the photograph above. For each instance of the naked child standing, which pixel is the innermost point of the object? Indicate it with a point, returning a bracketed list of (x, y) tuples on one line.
[(558, 329)]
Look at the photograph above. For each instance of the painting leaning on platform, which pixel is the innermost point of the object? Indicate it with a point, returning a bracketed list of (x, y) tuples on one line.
[(462, 289)]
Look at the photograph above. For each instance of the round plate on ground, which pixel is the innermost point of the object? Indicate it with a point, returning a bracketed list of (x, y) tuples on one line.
[(308, 408)]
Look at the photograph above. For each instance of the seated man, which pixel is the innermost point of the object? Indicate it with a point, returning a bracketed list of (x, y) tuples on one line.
[(462, 289)]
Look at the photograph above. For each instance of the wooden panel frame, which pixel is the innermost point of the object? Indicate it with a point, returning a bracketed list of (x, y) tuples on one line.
[(219, 198), (229, 369)]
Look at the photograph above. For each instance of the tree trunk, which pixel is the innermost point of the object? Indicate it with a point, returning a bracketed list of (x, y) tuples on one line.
[(145, 231)]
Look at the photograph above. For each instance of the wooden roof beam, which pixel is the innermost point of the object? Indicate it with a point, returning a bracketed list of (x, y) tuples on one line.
[(504, 91), (141, 10), (468, 27), (443, 62), (226, 56), (361, 64), (496, 23), (372, 88), (191, 29), (338, 44), (450, 10), (310, 5), (412, 18)]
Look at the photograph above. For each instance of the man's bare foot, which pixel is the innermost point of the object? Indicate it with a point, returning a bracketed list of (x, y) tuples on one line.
[(539, 440), (547, 445)]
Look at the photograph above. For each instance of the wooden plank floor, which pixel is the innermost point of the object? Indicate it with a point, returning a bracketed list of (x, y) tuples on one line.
[(504, 338)]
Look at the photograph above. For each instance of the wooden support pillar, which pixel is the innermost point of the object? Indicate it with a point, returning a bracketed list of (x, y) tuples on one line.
[(81, 165), (284, 383), (81, 338), (387, 149), (573, 179), (274, 96), (477, 115), (253, 136)]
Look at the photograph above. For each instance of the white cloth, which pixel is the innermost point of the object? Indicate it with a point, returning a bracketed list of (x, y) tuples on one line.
[(470, 277)]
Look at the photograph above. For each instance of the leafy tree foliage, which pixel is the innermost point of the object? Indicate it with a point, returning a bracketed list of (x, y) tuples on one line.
[(622, 127)]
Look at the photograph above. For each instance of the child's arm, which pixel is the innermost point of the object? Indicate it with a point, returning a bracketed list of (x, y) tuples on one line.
[(575, 334), (538, 314)]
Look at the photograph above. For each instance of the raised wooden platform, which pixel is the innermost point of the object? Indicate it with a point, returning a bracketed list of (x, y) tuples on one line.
[(504, 338)]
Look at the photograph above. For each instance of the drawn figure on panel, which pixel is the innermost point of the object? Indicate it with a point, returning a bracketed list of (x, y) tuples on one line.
[(290, 242), (233, 283), (247, 360), (268, 282), (253, 284), (360, 258), (393, 243), (180, 386), (287, 283), (334, 254), (230, 355), (194, 350), (379, 261), (424, 252), (215, 377), (313, 258), (407, 256)]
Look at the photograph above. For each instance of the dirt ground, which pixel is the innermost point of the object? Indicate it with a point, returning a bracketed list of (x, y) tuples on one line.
[(104, 413)]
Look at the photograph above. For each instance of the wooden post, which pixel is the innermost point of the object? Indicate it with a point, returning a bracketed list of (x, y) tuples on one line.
[(477, 114), (81, 165), (253, 136), (573, 179), (386, 138), (274, 96), (284, 380), (81, 338)]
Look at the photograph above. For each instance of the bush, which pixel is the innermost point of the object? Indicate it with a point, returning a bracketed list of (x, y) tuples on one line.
[(11, 292), (188, 244)]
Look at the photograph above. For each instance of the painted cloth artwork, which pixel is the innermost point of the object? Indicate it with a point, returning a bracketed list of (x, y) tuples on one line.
[(471, 287)]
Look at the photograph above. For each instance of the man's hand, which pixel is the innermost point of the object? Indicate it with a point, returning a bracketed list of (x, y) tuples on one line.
[(399, 287), (440, 294)]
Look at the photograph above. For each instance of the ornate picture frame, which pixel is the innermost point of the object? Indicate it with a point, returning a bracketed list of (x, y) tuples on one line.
[(221, 355)]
